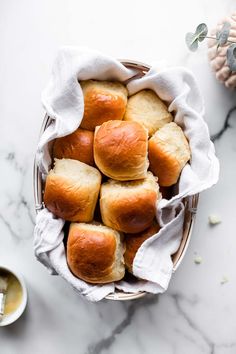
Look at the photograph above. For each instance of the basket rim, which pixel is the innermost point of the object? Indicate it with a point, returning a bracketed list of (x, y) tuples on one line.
[(191, 202)]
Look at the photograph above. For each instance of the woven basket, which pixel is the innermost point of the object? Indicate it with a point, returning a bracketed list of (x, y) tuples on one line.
[(189, 202)]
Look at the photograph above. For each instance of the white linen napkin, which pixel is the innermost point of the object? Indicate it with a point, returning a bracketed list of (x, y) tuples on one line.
[(63, 101)]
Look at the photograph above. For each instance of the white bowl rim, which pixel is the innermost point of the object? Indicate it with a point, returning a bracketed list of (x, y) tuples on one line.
[(12, 317)]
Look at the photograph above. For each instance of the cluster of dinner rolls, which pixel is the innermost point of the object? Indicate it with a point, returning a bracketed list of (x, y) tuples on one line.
[(124, 153)]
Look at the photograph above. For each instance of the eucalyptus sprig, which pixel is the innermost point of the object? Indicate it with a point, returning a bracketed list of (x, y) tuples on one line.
[(192, 40)]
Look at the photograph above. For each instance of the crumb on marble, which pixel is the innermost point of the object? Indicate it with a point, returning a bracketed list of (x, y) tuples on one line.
[(224, 280), (198, 260), (214, 219)]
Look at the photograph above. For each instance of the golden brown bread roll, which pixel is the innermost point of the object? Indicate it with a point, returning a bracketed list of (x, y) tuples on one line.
[(95, 253), (129, 206), (76, 146), (168, 153), (147, 108), (103, 101), (120, 150), (134, 241), (72, 189)]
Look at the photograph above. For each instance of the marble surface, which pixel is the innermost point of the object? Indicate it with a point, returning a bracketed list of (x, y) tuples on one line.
[(197, 313)]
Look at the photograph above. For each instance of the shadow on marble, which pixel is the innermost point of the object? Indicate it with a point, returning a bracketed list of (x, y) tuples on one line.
[(17, 328)]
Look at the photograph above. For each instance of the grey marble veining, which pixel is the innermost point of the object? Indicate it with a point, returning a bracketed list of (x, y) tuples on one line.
[(16, 202), (197, 313), (226, 125)]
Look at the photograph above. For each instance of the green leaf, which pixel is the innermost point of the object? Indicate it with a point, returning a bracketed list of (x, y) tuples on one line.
[(231, 57), (201, 31), (192, 41), (223, 35)]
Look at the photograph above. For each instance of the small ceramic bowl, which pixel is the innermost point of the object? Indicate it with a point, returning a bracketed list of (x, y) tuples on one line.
[(13, 316)]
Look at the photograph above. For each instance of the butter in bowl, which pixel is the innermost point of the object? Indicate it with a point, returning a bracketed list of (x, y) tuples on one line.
[(13, 296)]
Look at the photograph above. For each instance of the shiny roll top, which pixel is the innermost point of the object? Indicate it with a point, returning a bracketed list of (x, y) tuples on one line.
[(129, 206), (72, 189), (168, 153), (146, 108), (120, 150), (95, 253), (103, 101), (76, 146)]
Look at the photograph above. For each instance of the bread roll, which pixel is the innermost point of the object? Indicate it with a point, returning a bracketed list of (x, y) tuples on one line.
[(129, 206), (134, 241), (76, 146), (120, 150), (146, 108), (95, 253), (103, 101), (168, 152), (72, 189)]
